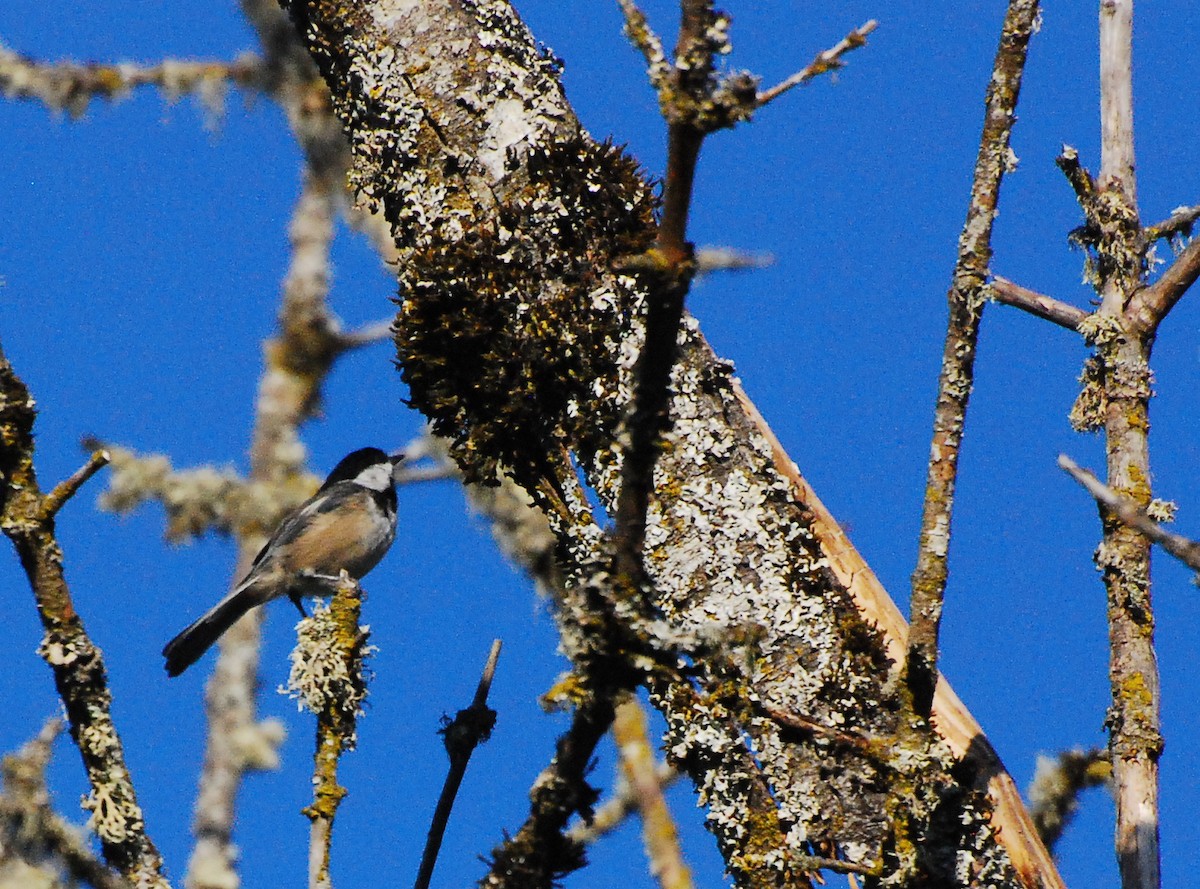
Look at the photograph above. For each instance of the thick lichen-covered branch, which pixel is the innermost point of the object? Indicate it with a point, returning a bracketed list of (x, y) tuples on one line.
[(77, 663), (966, 298), (519, 327)]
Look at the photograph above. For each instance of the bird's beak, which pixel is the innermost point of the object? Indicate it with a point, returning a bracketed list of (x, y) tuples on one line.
[(397, 459)]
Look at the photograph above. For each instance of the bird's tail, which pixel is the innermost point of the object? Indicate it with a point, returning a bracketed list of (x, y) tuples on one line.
[(187, 648)]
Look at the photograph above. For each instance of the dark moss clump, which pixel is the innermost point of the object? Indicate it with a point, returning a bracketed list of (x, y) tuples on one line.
[(507, 335)]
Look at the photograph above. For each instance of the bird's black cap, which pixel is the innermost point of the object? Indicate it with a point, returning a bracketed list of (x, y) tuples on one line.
[(353, 463)]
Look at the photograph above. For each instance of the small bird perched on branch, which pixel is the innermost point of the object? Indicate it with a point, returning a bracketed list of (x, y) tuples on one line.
[(349, 524)]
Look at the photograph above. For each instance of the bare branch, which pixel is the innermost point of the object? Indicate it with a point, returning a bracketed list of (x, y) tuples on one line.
[(1116, 99), (658, 827), (612, 813), (365, 336), (966, 300), (1133, 515), (1063, 314), (829, 60), (67, 488), (720, 259), (1080, 179), (469, 728)]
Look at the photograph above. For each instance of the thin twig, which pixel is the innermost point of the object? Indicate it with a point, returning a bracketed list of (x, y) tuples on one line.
[(1178, 225), (469, 728), (67, 488), (724, 259), (378, 332), (1185, 550), (829, 60), (1047, 307), (966, 300), (659, 833)]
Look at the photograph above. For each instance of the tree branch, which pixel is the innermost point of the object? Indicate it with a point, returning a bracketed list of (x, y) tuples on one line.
[(71, 87), (730, 534), (829, 60), (32, 831), (1178, 225), (469, 728), (1150, 305), (327, 676), (1063, 314), (77, 663), (658, 827), (1133, 515), (966, 300)]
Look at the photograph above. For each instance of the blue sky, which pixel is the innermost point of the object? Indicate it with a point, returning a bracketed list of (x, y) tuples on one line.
[(141, 257)]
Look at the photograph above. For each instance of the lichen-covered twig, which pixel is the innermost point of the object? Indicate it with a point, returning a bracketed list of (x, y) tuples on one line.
[(829, 60), (77, 663), (1176, 226), (327, 677), (967, 296), (71, 87), (1063, 314), (469, 728), (1135, 516), (1057, 783), (32, 832)]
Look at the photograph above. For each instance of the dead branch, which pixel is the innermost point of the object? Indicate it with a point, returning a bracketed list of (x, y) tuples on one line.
[(1133, 515), (966, 298), (1063, 314), (77, 663), (827, 61), (469, 728)]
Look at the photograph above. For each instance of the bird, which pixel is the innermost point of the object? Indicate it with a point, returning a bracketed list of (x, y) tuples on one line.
[(349, 524)]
